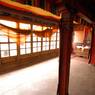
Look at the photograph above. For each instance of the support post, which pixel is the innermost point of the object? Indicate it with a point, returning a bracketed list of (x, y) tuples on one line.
[(92, 50), (66, 31)]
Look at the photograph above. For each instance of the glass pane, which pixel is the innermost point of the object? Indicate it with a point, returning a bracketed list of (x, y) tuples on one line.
[(34, 49), (47, 39), (28, 50), (4, 46), (3, 32), (47, 43), (44, 48), (58, 30), (28, 45), (34, 35), (22, 38), (3, 39), (28, 38), (52, 47), (12, 32), (13, 52), (54, 35), (53, 38), (57, 44), (39, 38), (5, 53), (58, 36), (12, 36), (22, 51), (44, 43), (47, 47), (39, 43), (44, 39), (35, 44), (9, 23), (44, 27), (39, 48), (37, 28), (53, 43), (13, 46), (34, 38), (24, 26), (13, 39), (22, 45)]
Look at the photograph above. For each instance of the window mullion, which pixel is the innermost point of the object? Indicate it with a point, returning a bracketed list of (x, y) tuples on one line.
[(31, 38), (0, 53), (8, 44), (56, 41)]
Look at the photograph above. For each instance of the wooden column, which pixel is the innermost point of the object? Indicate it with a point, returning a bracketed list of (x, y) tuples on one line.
[(92, 50), (66, 31)]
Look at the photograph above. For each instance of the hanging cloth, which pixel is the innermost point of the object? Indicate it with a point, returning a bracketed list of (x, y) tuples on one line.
[(26, 32), (86, 31)]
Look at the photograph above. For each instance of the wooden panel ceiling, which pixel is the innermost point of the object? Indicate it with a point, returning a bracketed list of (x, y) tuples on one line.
[(86, 7)]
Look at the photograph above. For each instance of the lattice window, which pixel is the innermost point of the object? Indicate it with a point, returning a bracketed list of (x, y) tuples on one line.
[(58, 39), (53, 41), (8, 44), (25, 44), (36, 43), (45, 43)]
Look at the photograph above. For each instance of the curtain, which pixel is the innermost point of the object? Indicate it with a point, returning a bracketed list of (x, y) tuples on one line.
[(26, 32), (44, 33), (86, 31)]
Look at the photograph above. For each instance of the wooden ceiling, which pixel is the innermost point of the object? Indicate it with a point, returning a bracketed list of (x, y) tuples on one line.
[(85, 7)]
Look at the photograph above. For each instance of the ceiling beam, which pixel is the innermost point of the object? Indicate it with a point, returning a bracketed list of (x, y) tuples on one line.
[(76, 6)]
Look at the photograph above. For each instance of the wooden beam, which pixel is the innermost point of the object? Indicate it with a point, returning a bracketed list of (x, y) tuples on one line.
[(66, 30), (28, 16), (79, 7)]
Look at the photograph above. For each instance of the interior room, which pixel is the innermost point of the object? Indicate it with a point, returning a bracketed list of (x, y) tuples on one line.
[(47, 47)]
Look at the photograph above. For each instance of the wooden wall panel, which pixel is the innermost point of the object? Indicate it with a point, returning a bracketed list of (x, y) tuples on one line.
[(14, 63)]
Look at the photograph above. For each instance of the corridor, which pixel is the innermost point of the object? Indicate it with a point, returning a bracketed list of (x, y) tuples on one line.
[(42, 79)]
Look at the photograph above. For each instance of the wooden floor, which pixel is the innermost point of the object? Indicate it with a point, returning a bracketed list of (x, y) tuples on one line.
[(42, 79), (82, 77)]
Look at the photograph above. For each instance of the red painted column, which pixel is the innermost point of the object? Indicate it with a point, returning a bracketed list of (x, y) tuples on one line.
[(92, 50), (66, 31)]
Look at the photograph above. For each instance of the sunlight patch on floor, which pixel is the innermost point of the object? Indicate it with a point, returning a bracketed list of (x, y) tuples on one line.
[(36, 80)]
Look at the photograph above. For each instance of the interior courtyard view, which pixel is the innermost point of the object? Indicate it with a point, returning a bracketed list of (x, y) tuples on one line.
[(47, 47)]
